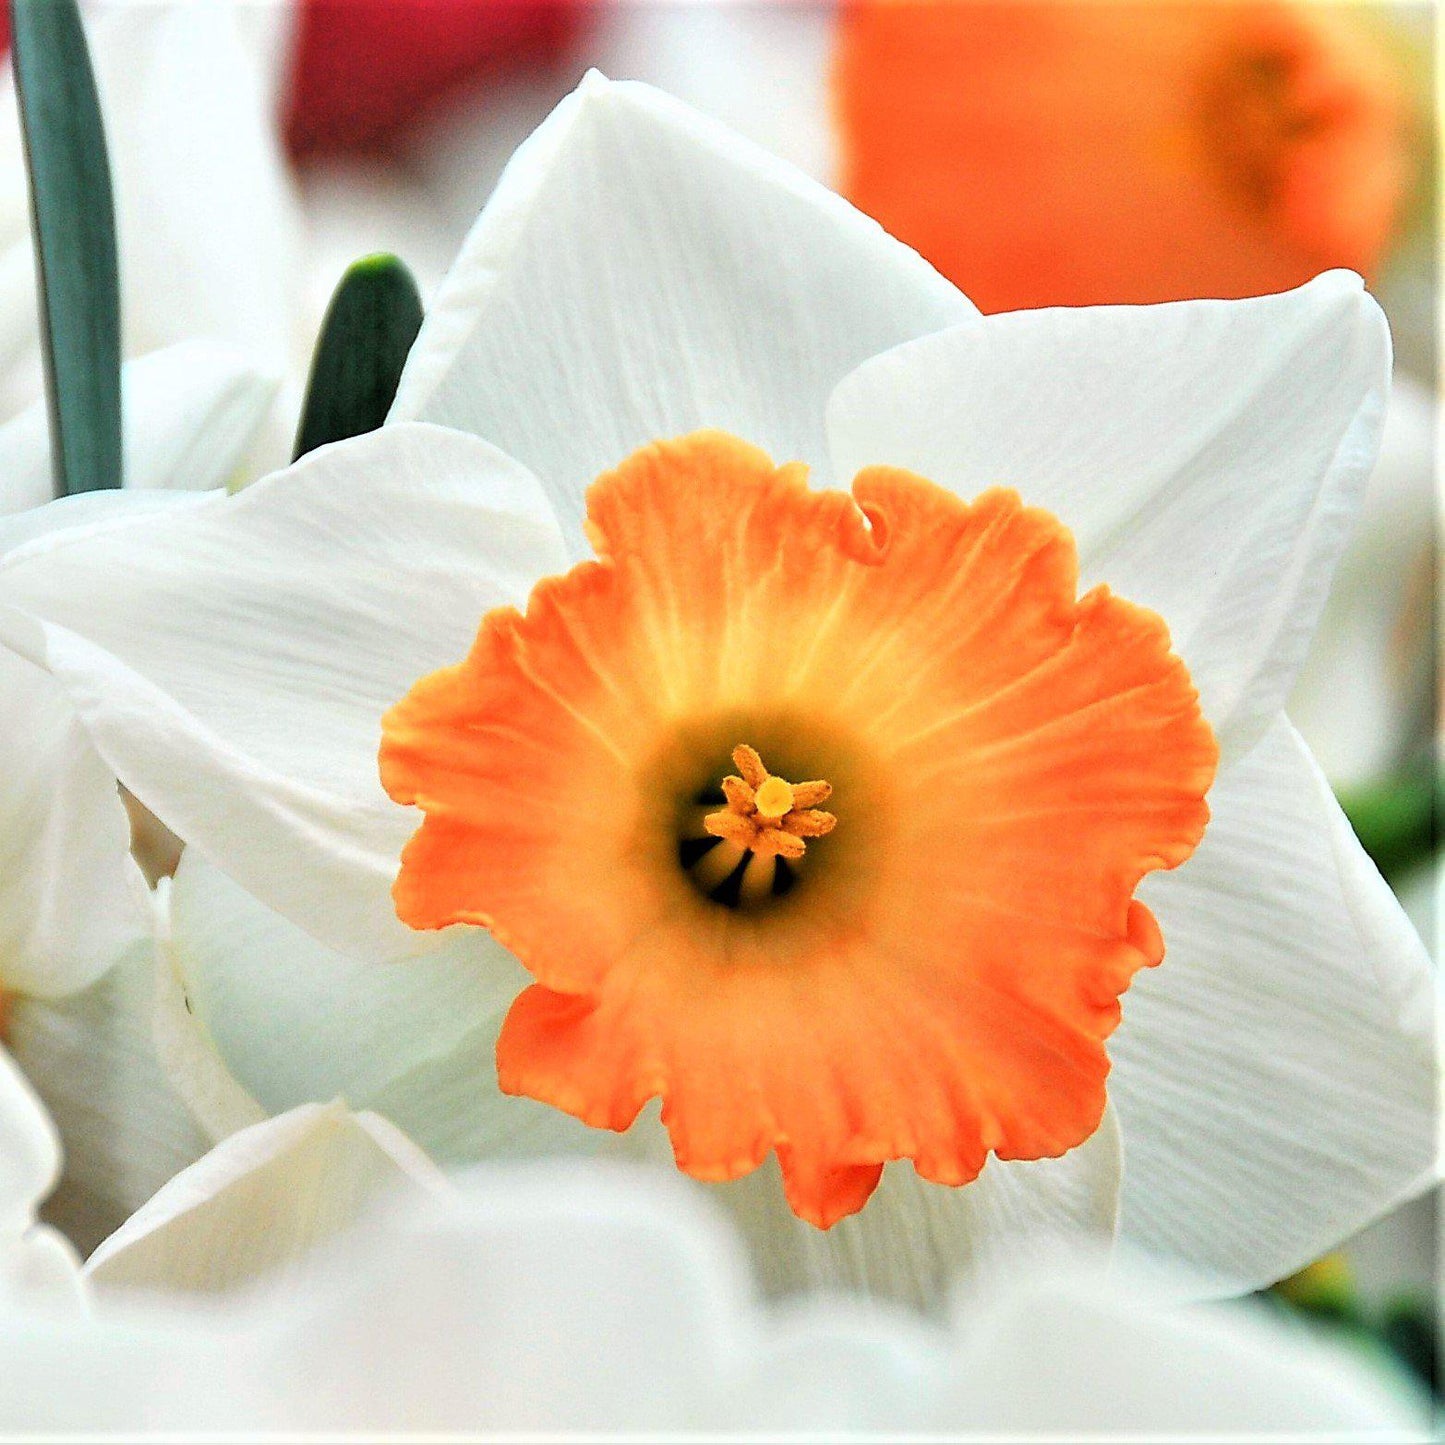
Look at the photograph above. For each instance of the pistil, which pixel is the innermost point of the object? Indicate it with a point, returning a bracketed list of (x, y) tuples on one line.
[(767, 815)]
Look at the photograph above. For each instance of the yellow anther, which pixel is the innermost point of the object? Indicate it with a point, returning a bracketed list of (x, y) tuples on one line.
[(766, 814)]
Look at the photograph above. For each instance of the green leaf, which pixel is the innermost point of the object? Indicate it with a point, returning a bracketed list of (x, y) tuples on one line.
[(74, 220), (1411, 1329), (1395, 819), (374, 316)]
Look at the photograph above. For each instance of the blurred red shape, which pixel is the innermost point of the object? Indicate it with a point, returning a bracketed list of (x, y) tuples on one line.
[(363, 70)]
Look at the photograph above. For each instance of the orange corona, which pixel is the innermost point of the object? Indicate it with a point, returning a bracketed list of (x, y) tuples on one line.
[(927, 969)]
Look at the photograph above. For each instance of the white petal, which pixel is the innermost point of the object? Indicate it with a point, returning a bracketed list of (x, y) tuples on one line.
[(1058, 1361), (545, 1298), (19, 316), (1275, 1076), (915, 1240), (92, 1059), (85, 509), (232, 664), (260, 1202), (641, 272), (1363, 695), (29, 1151), (414, 1040), (1208, 455), (189, 413), (185, 1048), (71, 897)]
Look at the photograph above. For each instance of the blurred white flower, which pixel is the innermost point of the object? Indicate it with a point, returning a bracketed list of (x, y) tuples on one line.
[(640, 273), (561, 1298), (217, 241)]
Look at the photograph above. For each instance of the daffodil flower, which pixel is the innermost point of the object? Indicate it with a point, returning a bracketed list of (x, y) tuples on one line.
[(965, 767)]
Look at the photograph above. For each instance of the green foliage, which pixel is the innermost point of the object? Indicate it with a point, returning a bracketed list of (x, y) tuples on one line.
[(1324, 1290), (374, 316), (1405, 1332), (1396, 818), (1411, 1329), (74, 221)]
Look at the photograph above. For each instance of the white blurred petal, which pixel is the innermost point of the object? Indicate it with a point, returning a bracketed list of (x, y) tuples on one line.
[(232, 663), (1208, 455), (209, 223), (833, 1366), (1275, 1076), (19, 317), (913, 1239), (191, 411), (208, 218), (92, 1059), (1397, 1254), (414, 1040), (260, 1202), (1057, 1360), (354, 209), (641, 272), (461, 146), (188, 413), (544, 1298), (549, 1299), (128, 1378)]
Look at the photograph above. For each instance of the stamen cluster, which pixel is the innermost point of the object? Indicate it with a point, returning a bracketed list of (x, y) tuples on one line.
[(768, 815)]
